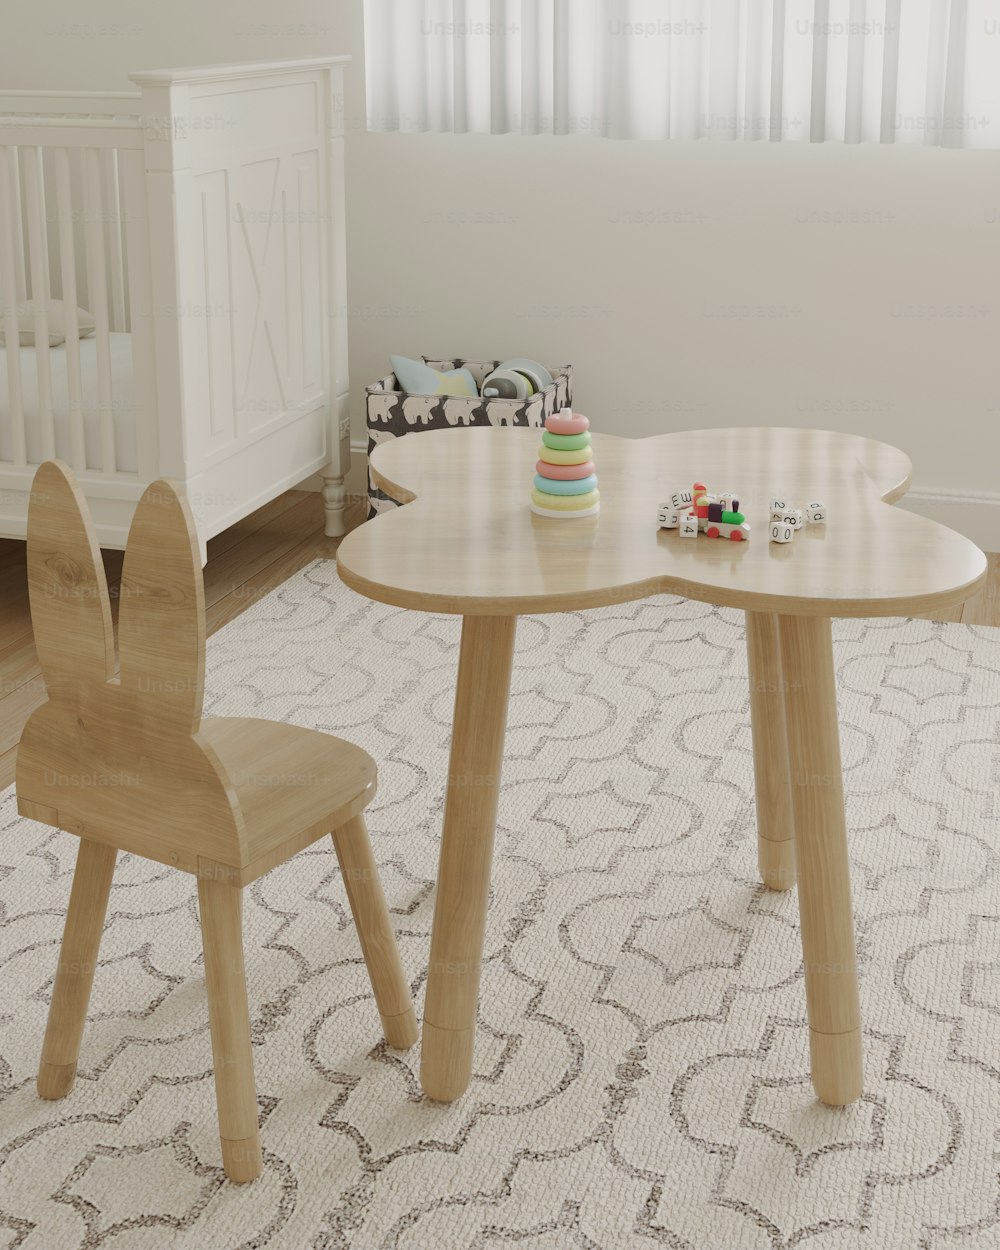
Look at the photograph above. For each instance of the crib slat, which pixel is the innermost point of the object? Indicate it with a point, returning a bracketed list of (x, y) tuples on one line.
[(14, 171), (132, 171), (38, 251), (113, 217), (44, 219), (9, 249), (97, 287), (67, 260)]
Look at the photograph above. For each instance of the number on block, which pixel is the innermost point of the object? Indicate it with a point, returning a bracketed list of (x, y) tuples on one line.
[(689, 526), (781, 533)]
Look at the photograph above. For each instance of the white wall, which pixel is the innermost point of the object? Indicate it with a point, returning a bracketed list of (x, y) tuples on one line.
[(690, 284)]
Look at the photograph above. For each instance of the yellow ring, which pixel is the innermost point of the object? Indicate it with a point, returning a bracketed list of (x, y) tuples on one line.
[(551, 456), (566, 503)]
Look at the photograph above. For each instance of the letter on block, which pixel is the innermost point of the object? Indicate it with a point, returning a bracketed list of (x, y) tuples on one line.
[(816, 512), (670, 518)]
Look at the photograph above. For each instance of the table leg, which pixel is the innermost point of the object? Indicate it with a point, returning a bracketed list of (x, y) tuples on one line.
[(828, 946), (775, 825), (463, 883)]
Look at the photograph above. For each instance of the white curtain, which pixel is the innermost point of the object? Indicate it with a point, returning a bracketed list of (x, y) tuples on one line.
[(880, 71)]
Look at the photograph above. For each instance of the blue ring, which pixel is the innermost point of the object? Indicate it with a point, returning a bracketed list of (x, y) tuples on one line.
[(558, 486)]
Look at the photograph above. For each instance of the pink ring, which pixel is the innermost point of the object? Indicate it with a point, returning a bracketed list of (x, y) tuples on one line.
[(564, 472), (576, 423)]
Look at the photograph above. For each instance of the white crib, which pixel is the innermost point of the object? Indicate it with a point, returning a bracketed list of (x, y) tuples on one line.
[(201, 222)]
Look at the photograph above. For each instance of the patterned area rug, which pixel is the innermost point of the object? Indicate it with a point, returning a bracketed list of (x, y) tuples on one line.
[(641, 1072)]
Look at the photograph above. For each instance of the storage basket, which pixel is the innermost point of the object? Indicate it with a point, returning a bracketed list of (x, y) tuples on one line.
[(392, 413)]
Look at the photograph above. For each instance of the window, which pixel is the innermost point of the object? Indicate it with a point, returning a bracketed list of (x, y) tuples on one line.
[(879, 71)]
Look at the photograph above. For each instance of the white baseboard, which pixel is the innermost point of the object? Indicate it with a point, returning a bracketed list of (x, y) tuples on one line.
[(975, 516)]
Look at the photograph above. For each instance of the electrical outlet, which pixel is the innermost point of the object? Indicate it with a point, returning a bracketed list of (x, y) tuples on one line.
[(345, 428)]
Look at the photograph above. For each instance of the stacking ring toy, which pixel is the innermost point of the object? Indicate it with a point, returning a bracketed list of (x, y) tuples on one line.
[(564, 516), (566, 442), (565, 482), (550, 455), (565, 472), (551, 486), (565, 503), (571, 423)]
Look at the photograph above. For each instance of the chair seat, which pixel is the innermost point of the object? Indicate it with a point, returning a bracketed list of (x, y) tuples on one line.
[(293, 785)]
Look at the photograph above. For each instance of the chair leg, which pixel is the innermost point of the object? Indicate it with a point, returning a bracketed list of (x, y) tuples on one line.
[(88, 905), (221, 908), (375, 932)]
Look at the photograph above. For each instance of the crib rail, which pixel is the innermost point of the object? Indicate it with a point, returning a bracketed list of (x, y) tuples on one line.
[(71, 103), (72, 212)]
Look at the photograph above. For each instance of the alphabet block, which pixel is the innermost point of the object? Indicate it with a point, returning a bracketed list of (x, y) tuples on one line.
[(793, 517), (816, 512), (669, 518), (681, 499), (781, 533), (689, 526)]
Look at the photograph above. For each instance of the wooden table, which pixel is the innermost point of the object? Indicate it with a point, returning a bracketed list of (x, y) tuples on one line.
[(468, 543)]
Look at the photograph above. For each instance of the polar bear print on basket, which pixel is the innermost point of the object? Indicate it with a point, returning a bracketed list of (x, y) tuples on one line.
[(420, 409), (382, 406), (461, 412)]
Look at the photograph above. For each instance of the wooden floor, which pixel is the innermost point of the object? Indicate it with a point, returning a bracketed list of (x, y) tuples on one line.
[(244, 563)]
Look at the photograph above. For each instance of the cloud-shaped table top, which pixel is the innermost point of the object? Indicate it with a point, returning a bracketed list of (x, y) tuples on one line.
[(468, 542)]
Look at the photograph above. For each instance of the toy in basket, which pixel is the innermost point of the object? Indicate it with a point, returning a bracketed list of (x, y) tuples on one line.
[(565, 482), (694, 510)]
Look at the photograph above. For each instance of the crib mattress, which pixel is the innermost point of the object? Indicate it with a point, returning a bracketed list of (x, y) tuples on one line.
[(123, 411)]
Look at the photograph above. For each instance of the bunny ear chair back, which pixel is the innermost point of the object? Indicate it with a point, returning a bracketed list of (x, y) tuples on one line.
[(161, 623), (127, 763), (121, 759), (70, 608)]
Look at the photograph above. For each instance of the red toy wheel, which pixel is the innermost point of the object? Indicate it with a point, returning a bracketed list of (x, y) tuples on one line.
[(712, 531), (736, 537)]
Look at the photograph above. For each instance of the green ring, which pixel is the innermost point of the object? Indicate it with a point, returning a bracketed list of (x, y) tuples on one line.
[(566, 442)]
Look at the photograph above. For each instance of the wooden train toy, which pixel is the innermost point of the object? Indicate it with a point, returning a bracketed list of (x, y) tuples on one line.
[(697, 511)]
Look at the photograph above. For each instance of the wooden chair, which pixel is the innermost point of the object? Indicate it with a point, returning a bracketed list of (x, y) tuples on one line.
[(126, 762)]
